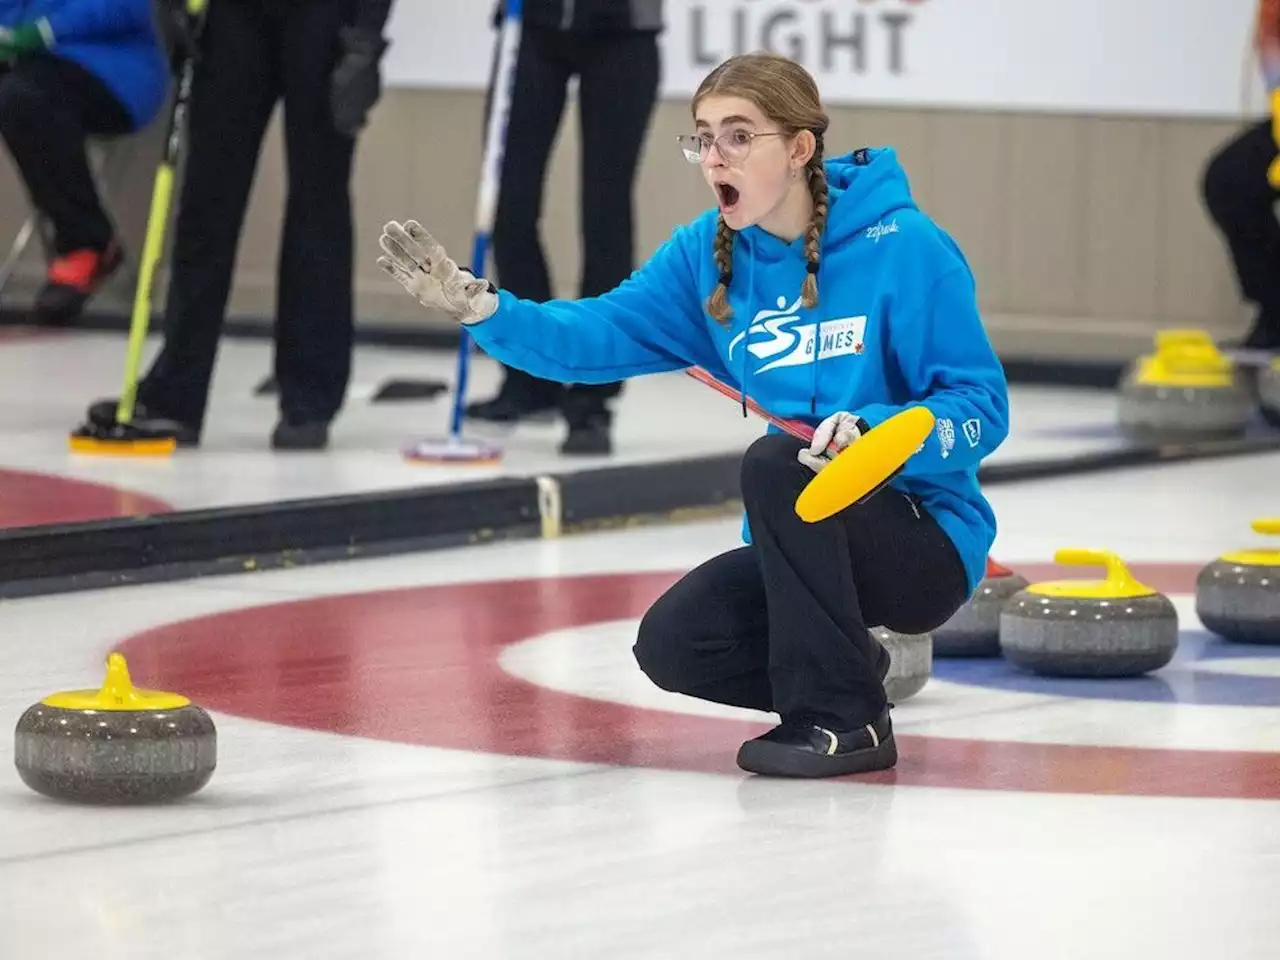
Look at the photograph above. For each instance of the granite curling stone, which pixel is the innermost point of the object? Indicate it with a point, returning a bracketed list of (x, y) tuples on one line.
[(1238, 595), (910, 662), (1269, 393), (1115, 627), (974, 629), (1187, 391), (116, 745)]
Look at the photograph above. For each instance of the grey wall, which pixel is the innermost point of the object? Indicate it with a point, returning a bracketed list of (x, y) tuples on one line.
[(1086, 234)]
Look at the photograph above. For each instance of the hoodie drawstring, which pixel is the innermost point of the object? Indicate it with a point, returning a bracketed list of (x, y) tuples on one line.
[(815, 269), (751, 298)]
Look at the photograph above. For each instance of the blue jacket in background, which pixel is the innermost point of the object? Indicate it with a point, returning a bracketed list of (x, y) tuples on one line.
[(113, 39), (896, 324)]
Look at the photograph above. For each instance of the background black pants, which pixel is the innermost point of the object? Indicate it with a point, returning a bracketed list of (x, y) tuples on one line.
[(618, 76), (255, 52), (782, 625), (1243, 204), (48, 108)]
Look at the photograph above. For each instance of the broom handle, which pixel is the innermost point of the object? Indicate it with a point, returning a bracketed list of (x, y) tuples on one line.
[(795, 428), (490, 176), (158, 219)]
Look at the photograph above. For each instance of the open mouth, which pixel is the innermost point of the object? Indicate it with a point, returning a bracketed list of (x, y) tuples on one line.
[(728, 195)]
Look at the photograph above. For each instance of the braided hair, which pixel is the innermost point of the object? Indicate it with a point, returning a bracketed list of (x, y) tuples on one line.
[(817, 176), (718, 304)]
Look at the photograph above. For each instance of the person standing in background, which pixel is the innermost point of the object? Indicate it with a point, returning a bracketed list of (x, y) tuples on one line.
[(69, 71), (322, 57), (611, 46), (1241, 188)]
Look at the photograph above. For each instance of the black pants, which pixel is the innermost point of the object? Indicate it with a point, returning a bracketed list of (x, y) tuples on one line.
[(49, 107), (1243, 204), (255, 53), (783, 625), (618, 77)]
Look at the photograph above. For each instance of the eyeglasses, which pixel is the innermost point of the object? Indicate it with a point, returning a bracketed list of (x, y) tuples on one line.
[(733, 146)]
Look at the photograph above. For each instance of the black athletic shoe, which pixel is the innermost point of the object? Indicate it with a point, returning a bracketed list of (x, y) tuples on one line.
[(591, 439), (147, 421), (313, 435), (512, 408), (799, 749)]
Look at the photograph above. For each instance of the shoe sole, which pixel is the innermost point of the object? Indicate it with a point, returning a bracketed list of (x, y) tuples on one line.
[(546, 416), (776, 760), (294, 444)]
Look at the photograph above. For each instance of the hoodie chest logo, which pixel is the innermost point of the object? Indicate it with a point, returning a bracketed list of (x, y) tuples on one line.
[(882, 229), (780, 337)]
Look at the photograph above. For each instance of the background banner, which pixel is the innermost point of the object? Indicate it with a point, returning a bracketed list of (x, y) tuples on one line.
[(1144, 57)]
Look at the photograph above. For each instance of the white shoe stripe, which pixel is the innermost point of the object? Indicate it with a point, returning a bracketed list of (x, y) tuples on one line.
[(835, 741)]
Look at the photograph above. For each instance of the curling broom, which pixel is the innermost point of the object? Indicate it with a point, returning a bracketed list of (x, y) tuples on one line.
[(123, 438), (454, 449)]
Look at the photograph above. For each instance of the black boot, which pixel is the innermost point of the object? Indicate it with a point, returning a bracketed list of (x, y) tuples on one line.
[(521, 397), (153, 423), (797, 748), (590, 424), (310, 435), (591, 437)]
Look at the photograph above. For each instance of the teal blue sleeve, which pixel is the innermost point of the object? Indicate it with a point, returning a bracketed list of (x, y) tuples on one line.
[(949, 366), (651, 323)]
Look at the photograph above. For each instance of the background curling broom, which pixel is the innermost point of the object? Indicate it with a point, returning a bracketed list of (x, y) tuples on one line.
[(454, 449), (179, 24)]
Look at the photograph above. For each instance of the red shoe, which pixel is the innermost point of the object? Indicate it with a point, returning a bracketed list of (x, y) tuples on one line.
[(72, 279)]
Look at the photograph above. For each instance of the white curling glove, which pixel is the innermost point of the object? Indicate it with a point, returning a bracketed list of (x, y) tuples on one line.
[(832, 436), (420, 263)]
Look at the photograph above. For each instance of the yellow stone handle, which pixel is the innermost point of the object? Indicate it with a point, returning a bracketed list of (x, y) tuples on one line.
[(1267, 525), (1170, 339), (1188, 351), (1118, 575), (117, 687), (116, 693)]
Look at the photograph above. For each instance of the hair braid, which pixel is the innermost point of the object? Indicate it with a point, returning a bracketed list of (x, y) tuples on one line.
[(718, 304), (817, 175)]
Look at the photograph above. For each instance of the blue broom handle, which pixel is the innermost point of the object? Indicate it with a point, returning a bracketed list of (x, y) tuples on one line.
[(490, 178)]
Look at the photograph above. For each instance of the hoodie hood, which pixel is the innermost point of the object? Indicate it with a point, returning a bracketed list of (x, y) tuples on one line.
[(864, 187)]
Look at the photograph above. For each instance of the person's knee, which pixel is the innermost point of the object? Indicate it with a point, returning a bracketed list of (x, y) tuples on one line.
[(1231, 181), (770, 466), (1217, 184), (658, 649)]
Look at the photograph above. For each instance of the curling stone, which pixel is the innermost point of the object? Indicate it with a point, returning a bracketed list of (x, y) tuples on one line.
[(1238, 595), (1115, 627), (910, 662), (1269, 393), (974, 629), (115, 745), (1186, 391)]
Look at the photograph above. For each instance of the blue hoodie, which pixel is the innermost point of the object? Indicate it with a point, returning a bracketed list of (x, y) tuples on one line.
[(115, 40), (897, 322)]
